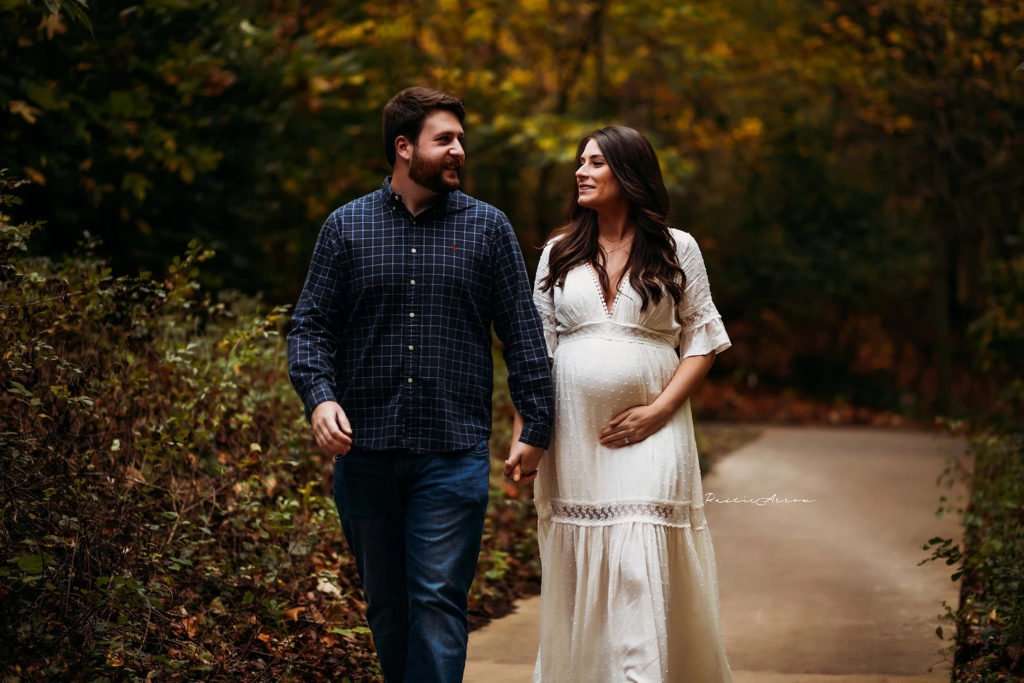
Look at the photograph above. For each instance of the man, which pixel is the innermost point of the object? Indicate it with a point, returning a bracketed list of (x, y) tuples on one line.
[(391, 353)]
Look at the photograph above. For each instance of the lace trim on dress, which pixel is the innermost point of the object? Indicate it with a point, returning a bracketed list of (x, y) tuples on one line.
[(609, 313), (665, 513), (703, 313)]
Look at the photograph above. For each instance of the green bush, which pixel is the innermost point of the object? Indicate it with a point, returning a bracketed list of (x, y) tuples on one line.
[(990, 617), (998, 338), (988, 646), (163, 507), (989, 620)]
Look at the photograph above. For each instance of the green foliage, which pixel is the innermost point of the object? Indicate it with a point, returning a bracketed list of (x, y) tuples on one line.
[(999, 338), (848, 168), (992, 608), (989, 621), (191, 114), (164, 510)]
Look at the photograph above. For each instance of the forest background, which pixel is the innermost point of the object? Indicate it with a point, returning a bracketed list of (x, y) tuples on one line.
[(851, 170)]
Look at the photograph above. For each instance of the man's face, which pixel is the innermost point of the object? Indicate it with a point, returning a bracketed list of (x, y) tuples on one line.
[(438, 155)]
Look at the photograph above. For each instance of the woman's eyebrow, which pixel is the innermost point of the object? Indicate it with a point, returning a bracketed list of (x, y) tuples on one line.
[(592, 156)]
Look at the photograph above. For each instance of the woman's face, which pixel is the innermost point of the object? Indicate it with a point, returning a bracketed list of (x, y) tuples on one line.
[(595, 181)]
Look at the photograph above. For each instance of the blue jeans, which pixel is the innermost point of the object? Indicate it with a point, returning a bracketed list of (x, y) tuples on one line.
[(414, 523)]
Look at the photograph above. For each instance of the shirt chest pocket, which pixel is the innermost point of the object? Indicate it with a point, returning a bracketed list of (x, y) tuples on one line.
[(458, 266)]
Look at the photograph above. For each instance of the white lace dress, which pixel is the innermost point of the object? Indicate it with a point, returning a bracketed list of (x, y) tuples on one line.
[(629, 588)]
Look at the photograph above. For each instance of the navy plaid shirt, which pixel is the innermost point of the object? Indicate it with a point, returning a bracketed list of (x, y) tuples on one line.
[(394, 323)]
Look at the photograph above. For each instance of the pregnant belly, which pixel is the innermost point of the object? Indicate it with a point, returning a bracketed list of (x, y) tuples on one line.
[(613, 374)]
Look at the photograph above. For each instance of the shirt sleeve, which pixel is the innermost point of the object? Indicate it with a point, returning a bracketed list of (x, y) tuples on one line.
[(703, 331), (312, 340), (519, 328), (544, 302)]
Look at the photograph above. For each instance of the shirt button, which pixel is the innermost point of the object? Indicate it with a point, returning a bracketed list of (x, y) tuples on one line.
[(410, 380), (411, 347), (412, 282), (412, 315), (413, 250)]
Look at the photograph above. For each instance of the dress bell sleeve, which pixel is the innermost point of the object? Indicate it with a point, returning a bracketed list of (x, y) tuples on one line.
[(544, 301), (703, 331)]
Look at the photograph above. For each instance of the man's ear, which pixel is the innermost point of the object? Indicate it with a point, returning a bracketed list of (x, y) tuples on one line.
[(403, 148)]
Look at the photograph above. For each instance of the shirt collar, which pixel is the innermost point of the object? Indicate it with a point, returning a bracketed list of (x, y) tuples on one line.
[(450, 202)]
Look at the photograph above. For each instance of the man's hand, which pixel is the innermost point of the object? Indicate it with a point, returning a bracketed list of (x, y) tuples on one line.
[(331, 429), (522, 462)]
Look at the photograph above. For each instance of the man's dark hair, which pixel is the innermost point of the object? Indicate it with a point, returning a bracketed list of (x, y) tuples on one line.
[(404, 114)]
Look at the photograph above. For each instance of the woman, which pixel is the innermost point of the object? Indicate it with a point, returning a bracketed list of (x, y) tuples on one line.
[(629, 589)]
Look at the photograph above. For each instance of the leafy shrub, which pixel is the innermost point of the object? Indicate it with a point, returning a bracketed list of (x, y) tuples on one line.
[(998, 337), (163, 508), (989, 620)]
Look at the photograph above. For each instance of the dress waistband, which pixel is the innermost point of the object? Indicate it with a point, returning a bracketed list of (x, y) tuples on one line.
[(610, 329)]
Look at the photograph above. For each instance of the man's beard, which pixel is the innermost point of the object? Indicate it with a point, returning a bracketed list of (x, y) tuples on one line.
[(431, 176)]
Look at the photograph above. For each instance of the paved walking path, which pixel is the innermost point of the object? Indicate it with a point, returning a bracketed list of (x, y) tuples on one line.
[(827, 591)]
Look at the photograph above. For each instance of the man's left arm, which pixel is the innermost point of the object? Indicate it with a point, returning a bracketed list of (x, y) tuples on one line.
[(518, 325)]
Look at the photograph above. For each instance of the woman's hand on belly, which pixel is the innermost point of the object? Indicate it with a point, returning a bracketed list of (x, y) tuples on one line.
[(633, 425)]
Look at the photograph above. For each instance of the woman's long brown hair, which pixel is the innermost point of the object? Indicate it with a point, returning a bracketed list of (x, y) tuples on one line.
[(652, 266)]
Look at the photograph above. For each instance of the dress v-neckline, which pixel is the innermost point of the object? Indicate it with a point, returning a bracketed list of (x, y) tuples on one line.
[(600, 291)]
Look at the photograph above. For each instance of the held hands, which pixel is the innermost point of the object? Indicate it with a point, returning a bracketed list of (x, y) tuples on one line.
[(331, 429), (633, 425), (522, 462)]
